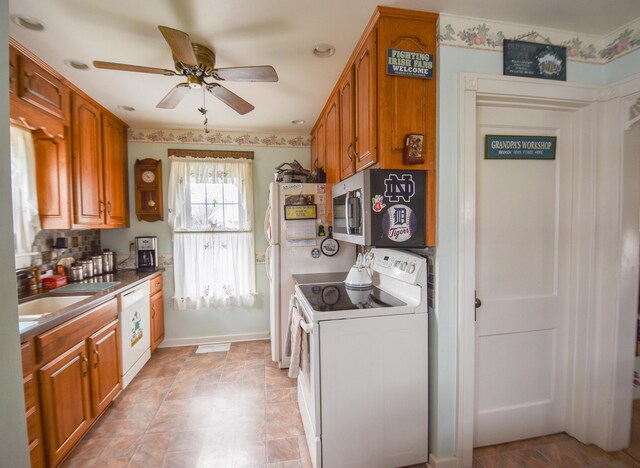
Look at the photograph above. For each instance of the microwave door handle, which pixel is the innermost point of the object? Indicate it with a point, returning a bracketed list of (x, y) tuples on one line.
[(347, 210)]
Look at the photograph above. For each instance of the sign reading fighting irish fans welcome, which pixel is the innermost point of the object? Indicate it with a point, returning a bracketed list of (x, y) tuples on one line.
[(408, 63)]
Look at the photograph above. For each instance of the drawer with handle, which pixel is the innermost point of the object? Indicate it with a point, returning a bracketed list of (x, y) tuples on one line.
[(156, 284)]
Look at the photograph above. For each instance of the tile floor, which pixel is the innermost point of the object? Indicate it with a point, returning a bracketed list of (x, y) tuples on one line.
[(237, 409)]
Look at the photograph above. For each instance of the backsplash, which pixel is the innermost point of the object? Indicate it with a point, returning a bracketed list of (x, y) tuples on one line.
[(82, 243)]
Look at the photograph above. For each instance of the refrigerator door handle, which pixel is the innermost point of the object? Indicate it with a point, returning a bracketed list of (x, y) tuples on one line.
[(267, 223), (267, 262)]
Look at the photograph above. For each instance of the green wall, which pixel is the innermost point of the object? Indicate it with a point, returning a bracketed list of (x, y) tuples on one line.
[(219, 321), (14, 451)]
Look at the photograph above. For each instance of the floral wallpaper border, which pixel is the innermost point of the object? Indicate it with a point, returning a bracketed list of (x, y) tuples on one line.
[(213, 137), (460, 31)]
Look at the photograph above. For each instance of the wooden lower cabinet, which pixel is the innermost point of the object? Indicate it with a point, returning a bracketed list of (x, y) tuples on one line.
[(71, 374), (66, 400), (104, 361), (157, 319)]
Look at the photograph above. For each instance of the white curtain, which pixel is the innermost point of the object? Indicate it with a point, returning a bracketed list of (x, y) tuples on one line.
[(213, 256), (26, 222)]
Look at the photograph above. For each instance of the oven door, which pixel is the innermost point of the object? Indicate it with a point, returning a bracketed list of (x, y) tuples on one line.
[(309, 389)]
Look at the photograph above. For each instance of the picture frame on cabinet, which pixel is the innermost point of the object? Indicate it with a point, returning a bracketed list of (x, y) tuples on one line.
[(413, 149)]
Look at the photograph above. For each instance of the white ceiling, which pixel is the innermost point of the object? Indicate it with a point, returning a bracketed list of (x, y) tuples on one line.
[(281, 33)]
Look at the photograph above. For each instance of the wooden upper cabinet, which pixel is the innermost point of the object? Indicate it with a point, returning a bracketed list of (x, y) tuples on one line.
[(13, 70), (89, 204), (104, 362), (378, 110), (66, 401), (321, 146), (365, 104), (332, 141), (42, 89), (114, 156), (52, 180), (347, 124)]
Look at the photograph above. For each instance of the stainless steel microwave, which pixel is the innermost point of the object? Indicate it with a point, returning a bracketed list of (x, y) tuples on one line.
[(382, 208)]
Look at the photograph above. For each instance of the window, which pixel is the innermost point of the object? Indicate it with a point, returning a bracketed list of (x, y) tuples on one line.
[(211, 218)]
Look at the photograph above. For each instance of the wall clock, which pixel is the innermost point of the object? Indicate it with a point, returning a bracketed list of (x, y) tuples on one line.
[(148, 188)]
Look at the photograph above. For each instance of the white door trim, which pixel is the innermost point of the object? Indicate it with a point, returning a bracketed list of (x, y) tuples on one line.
[(581, 102)]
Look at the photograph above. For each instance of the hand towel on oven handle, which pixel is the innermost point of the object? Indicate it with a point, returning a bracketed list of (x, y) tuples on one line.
[(297, 339)]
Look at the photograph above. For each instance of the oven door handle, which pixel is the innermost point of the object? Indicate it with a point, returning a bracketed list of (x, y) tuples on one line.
[(306, 327)]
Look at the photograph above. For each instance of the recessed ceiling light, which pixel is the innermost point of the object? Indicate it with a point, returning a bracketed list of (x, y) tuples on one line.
[(77, 64), (28, 22), (324, 50), (298, 122), (126, 108)]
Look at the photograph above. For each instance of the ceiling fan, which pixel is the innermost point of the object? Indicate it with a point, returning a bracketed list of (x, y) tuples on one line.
[(196, 63)]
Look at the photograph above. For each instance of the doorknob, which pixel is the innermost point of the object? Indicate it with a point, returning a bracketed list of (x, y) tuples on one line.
[(478, 303)]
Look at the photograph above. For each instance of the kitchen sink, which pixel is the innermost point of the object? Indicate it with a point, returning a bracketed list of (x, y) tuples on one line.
[(35, 309)]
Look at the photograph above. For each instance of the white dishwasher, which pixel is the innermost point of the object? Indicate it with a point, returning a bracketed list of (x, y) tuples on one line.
[(134, 331)]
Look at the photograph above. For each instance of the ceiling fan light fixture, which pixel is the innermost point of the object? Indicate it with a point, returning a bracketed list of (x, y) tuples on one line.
[(194, 82), (77, 64), (324, 50), (126, 108), (28, 22), (298, 122)]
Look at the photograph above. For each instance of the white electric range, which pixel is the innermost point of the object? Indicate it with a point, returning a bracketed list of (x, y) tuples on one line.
[(363, 397)]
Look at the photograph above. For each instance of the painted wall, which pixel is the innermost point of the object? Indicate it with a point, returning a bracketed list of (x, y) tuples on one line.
[(13, 427), (206, 322), (444, 321)]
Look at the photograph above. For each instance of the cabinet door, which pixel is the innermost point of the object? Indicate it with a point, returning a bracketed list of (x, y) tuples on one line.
[(13, 70), (319, 162), (332, 151), (157, 320), (365, 104), (52, 181), (88, 186), (66, 401), (104, 361), (347, 125), (43, 90), (114, 156)]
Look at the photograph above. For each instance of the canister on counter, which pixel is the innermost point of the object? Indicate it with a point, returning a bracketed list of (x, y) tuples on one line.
[(97, 264), (76, 273), (87, 265)]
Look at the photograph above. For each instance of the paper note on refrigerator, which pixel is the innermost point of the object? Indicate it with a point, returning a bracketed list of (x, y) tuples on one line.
[(300, 233)]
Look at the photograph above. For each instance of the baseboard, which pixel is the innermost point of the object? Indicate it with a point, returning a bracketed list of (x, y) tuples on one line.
[(449, 462), (199, 340)]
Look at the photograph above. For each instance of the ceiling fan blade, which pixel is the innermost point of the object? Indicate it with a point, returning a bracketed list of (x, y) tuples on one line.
[(173, 97), (180, 45), (260, 73), (230, 99), (132, 68)]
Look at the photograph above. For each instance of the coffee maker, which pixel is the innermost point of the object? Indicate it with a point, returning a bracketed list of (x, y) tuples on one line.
[(147, 253)]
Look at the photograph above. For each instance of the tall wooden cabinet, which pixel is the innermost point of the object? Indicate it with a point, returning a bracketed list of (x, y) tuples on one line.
[(378, 110)]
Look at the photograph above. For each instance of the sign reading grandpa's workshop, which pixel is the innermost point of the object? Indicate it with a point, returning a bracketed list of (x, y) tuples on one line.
[(408, 63), (520, 147)]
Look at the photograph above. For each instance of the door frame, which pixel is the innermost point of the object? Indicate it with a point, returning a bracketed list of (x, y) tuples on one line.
[(594, 328)]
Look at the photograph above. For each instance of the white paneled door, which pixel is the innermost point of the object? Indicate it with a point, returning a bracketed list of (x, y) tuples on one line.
[(523, 234)]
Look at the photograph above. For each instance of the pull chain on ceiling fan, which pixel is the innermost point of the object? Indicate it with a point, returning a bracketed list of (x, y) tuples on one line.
[(196, 63)]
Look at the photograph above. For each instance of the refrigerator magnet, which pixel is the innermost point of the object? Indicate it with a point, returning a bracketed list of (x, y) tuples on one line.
[(329, 246)]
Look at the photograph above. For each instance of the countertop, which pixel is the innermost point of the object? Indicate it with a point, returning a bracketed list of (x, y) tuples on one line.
[(312, 278), (127, 279)]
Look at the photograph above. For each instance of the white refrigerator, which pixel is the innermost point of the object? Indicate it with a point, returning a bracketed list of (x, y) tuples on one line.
[(294, 248)]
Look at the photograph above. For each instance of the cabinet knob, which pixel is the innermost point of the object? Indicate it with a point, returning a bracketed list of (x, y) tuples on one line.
[(109, 208), (85, 366), (100, 208), (97, 355)]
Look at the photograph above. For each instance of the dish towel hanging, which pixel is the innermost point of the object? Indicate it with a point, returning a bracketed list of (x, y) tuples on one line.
[(299, 352), (293, 302)]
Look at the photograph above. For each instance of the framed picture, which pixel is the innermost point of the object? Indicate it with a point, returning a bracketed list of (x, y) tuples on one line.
[(413, 152), (533, 60), (300, 212)]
